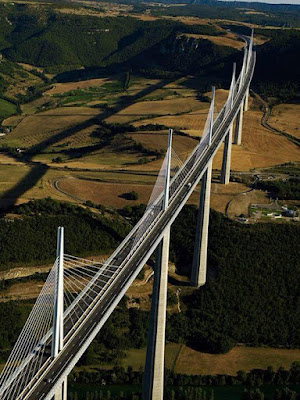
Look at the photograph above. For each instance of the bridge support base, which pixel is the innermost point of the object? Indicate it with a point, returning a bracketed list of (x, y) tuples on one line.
[(62, 392), (153, 382), (225, 171), (239, 126), (198, 275)]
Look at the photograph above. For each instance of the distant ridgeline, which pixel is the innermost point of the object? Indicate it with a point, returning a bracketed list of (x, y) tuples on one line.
[(63, 43), (283, 15)]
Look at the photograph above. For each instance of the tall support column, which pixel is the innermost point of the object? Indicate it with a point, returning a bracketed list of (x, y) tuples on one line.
[(250, 48), (58, 320), (247, 100), (225, 171), (153, 382), (244, 67), (199, 267), (239, 125)]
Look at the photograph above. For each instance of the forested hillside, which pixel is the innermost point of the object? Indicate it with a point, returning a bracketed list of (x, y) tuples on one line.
[(31, 238), (62, 42), (277, 73), (251, 293)]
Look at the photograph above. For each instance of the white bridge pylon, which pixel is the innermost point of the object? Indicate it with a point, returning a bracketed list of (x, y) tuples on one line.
[(80, 294), (58, 320)]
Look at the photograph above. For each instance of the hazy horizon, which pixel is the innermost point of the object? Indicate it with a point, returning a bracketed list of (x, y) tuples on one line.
[(295, 2)]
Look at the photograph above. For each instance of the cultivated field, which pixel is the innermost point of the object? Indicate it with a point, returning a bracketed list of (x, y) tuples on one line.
[(13, 121), (239, 204), (19, 82), (193, 362), (286, 118), (220, 40), (160, 107), (6, 109), (25, 291), (105, 193), (191, 122), (20, 183), (38, 105), (184, 360), (182, 145), (36, 128), (60, 88), (260, 147)]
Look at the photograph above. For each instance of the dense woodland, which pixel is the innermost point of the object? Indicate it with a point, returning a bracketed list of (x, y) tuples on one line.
[(85, 233), (60, 42), (251, 385), (251, 293), (283, 190)]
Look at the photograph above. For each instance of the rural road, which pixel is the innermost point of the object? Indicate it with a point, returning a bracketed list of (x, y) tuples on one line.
[(55, 185), (265, 123)]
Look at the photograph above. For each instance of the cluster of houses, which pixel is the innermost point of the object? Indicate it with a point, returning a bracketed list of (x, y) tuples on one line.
[(276, 211)]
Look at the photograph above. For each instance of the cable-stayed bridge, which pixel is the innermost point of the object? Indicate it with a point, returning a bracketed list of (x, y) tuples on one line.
[(79, 295)]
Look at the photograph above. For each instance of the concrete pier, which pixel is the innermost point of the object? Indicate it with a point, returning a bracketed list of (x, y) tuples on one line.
[(62, 391), (225, 171), (198, 275), (153, 382), (247, 100), (239, 126)]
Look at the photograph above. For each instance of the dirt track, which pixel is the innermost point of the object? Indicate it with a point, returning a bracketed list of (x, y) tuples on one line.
[(265, 123)]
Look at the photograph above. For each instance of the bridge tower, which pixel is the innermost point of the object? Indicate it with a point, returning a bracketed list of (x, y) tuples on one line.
[(235, 130), (225, 171), (198, 274), (245, 102), (248, 61), (153, 382), (58, 319)]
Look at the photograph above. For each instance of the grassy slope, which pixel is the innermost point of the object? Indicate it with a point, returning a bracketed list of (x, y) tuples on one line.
[(184, 360), (6, 109)]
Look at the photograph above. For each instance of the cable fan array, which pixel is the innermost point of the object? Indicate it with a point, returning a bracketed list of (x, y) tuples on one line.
[(155, 203), (84, 281), (33, 347), (178, 175)]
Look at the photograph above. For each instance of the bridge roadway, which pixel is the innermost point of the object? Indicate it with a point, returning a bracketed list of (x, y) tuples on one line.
[(54, 370)]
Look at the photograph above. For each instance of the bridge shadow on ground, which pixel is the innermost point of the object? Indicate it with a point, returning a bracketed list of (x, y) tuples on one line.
[(10, 197)]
